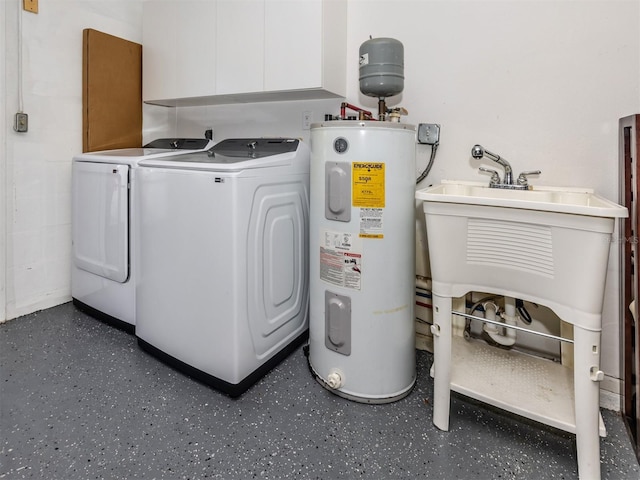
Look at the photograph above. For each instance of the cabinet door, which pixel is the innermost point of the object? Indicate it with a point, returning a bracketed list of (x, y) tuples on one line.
[(293, 44), (240, 46), (178, 48)]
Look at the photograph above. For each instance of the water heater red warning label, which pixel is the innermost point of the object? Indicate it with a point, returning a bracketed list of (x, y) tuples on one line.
[(341, 259)]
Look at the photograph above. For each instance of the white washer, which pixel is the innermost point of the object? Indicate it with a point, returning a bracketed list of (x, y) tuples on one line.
[(223, 256), (103, 272)]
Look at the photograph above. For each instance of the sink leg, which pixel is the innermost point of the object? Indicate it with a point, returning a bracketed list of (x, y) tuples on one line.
[(442, 361), (587, 401)]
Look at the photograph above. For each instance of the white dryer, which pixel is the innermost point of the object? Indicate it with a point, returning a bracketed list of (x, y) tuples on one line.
[(223, 259), (103, 272)]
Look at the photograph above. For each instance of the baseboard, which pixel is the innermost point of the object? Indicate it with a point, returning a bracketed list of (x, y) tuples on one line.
[(610, 393), (14, 311)]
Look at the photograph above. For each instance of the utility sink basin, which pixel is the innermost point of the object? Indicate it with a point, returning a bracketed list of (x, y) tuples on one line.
[(548, 245), (551, 199)]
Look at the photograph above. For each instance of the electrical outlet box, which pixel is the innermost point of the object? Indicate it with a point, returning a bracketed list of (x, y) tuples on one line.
[(21, 122), (30, 5), (306, 120), (429, 133)]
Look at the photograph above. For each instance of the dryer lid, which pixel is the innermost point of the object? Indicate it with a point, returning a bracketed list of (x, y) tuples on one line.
[(240, 149), (163, 147)]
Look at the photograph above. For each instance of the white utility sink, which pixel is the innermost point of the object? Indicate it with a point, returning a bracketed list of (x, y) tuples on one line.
[(548, 245)]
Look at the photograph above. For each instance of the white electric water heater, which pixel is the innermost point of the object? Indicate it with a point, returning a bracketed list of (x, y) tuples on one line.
[(362, 265)]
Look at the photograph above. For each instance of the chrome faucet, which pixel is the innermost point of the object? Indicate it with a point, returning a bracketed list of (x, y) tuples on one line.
[(478, 151)]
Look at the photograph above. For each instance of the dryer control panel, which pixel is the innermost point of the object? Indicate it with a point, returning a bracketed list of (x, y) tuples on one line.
[(244, 148), (179, 143)]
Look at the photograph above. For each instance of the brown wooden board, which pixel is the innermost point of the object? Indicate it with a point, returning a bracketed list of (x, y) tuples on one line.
[(111, 92)]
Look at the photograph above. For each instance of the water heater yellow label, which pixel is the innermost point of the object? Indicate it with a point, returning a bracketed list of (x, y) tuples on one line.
[(367, 184)]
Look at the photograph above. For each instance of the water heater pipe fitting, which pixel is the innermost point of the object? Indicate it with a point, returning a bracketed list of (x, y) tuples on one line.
[(334, 379)]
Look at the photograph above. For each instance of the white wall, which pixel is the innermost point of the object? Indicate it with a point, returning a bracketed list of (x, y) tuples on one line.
[(3, 167), (37, 164), (542, 83)]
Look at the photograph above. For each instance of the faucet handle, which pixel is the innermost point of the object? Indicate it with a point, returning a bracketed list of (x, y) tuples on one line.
[(495, 177), (522, 178)]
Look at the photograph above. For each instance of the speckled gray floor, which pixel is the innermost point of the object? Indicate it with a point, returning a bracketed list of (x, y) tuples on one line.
[(80, 400)]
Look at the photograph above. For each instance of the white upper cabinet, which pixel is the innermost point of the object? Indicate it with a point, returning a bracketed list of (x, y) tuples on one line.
[(292, 44), (225, 51), (239, 53), (178, 48)]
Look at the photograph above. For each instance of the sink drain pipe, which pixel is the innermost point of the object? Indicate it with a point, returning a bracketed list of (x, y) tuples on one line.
[(496, 333)]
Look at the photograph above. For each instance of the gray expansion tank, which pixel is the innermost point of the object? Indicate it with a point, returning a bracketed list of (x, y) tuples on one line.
[(381, 67)]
